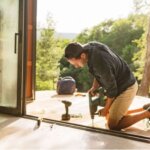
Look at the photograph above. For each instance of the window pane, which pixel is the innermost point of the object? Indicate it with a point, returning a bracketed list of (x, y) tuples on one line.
[(8, 59)]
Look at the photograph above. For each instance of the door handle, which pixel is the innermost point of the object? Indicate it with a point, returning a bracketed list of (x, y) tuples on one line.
[(15, 44)]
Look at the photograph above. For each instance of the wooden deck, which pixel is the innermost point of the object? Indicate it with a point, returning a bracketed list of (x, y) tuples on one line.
[(49, 105)]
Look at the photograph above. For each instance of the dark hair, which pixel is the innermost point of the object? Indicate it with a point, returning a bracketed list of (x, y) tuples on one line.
[(73, 50)]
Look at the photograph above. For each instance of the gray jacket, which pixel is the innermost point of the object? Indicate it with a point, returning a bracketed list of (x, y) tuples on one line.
[(110, 70)]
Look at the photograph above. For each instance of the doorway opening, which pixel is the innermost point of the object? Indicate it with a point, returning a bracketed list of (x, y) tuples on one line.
[(42, 97), (45, 59)]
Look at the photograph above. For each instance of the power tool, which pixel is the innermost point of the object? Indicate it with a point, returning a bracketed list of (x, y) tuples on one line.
[(94, 101), (66, 116)]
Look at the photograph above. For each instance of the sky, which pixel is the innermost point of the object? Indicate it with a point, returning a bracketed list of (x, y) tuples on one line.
[(73, 16)]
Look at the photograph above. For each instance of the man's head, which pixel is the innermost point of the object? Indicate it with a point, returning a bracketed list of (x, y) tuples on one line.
[(75, 55)]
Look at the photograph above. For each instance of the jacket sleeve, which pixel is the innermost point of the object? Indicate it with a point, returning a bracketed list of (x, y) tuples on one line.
[(105, 74)]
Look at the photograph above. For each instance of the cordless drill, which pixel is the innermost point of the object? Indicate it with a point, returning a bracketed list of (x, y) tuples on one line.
[(67, 104), (95, 101)]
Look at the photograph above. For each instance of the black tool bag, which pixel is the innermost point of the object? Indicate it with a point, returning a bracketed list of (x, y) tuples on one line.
[(66, 85)]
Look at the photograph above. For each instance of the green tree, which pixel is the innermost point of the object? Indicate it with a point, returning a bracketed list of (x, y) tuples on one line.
[(141, 59), (145, 83), (81, 75), (47, 57), (119, 35)]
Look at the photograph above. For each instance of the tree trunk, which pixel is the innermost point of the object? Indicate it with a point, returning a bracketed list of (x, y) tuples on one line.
[(145, 83)]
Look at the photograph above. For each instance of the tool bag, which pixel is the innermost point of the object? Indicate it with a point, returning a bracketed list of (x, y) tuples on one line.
[(66, 85)]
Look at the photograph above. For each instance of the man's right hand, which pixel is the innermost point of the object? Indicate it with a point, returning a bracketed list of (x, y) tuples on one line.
[(91, 91), (94, 87)]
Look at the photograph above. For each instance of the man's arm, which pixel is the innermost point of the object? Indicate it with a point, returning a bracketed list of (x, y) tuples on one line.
[(95, 84), (109, 101), (104, 111), (105, 70)]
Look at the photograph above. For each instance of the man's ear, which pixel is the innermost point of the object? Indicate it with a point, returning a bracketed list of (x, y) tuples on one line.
[(83, 56)]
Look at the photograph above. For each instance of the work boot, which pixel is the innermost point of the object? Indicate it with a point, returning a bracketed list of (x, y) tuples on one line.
[(147, 107)]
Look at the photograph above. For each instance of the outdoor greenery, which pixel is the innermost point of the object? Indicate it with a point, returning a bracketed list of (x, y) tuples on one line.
[(125, 36), (49, 52)]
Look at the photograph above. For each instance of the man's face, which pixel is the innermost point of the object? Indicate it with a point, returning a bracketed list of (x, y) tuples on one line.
[(78, 62)]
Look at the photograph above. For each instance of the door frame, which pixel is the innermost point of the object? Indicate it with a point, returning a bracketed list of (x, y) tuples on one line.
[(30, 25), (29, 95)]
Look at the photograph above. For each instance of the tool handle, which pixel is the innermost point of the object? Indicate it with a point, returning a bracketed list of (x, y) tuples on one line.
[(66, 107)]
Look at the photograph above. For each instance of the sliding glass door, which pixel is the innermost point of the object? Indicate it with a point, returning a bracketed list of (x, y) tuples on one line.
[(10, 55)]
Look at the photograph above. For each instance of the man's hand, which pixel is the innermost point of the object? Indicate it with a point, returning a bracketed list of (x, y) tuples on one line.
[(91, 91), (103, 112), (94, 87)]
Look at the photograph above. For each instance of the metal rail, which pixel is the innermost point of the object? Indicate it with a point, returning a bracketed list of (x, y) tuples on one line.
[(93, 129)]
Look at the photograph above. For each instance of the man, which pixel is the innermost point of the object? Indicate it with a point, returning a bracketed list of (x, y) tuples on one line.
[(113, 74)]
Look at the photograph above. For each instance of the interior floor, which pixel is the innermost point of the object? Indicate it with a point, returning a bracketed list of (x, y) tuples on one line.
[(19, 134), (49, 105)]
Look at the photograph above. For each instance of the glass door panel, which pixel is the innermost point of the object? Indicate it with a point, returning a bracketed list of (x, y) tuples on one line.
[(9, 15)]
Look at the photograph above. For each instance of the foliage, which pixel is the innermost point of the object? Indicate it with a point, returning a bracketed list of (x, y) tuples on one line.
[(120, 35), (81, 75), (141, 6), (49, 52), (84, 79), (139, 57), (125, 36), (143, 70)]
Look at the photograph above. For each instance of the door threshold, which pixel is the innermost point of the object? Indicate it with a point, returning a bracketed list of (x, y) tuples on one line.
[(92, 129)]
